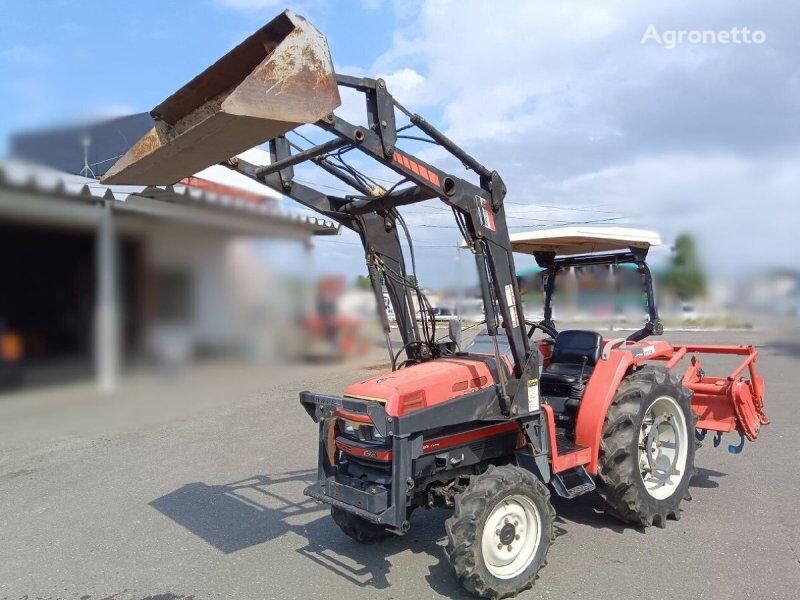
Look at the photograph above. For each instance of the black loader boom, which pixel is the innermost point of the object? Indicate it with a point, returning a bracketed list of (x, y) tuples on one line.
[(229, 99)]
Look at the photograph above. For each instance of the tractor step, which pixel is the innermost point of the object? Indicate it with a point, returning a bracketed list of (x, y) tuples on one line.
[(572, 483), (565, 446)]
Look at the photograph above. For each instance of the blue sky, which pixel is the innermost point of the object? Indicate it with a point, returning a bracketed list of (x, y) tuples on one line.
[(584, 120), (71, 59)]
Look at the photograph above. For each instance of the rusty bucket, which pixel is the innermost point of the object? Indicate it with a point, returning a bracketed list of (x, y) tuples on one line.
[(279, 78)]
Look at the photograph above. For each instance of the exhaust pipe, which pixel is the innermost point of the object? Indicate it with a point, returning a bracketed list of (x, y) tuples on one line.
[(279, 78)]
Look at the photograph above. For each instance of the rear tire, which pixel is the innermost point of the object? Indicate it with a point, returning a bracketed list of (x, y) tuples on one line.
[(358, 528), (647, 448), (500, 532)]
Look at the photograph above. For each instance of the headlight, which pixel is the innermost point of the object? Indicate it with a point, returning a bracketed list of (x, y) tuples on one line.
[(363, 433)]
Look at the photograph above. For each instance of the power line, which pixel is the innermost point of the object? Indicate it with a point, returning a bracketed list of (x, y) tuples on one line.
[(322, 185), (508, 217), (545, 224), (416, 244), (423, 245), (554, 207), (300, 135), (105, 160)]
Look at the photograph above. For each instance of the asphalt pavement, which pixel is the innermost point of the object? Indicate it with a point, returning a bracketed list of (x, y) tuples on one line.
[(193, 489)]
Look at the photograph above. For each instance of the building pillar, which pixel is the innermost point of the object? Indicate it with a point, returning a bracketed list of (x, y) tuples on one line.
[(310, 284), (459, 284), (107, 330), (612, 285)]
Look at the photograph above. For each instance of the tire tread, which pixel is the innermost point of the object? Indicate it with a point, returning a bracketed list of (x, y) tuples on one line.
[(462, 527), (616, 474)]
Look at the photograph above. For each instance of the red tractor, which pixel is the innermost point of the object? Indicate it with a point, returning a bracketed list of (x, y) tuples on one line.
[(326, 333), (488, 430)]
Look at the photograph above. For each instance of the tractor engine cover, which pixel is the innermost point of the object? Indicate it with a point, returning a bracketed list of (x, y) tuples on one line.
[(423, 385)]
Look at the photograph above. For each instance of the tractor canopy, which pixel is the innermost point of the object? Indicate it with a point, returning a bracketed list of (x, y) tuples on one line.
[(565, 247), (564, 241)]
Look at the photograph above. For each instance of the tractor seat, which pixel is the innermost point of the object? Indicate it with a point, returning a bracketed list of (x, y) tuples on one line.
[(567, 359)]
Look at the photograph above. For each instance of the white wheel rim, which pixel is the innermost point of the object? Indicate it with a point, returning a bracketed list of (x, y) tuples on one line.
[(663, 445), (511, 536)]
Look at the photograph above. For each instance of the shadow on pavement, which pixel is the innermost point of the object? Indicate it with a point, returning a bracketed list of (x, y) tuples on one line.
[(368, 565), (252, 511), (702, 478), (241, 514), (588, 509)]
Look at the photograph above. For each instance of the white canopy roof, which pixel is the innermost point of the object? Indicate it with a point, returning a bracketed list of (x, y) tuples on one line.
[(583, 240)]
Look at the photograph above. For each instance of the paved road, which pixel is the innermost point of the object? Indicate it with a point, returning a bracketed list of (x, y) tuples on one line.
[(174, 490)]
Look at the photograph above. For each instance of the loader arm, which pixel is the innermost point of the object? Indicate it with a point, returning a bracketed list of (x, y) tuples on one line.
[(373, 215), (282, 77)]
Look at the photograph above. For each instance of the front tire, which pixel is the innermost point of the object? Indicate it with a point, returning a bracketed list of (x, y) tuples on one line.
[(500, 532), (647, 448)]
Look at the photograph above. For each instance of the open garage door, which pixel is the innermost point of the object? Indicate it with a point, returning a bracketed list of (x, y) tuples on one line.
[(48, 298), (48, 286)]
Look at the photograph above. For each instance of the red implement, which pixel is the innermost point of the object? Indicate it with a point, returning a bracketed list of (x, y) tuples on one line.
[(727, 403)]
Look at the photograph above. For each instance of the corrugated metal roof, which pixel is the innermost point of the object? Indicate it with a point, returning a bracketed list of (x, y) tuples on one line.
[(23, 176)]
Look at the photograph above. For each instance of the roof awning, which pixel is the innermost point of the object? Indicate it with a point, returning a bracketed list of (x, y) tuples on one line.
[(565, 241), (176, 202)]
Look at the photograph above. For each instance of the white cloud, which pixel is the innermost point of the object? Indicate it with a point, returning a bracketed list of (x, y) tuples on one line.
[(502, 67), (585, 123), (740, 209), (573, 111), (404, 83)]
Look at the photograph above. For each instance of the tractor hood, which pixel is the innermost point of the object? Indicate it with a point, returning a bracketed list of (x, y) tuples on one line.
[(423, 385)]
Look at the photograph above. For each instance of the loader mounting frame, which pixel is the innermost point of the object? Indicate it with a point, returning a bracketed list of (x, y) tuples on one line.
[(372, 214)]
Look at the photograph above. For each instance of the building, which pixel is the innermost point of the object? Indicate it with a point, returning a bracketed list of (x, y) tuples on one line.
[(96, 276)]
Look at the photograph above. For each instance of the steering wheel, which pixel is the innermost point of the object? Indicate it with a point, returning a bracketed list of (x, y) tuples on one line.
[(545, 329)]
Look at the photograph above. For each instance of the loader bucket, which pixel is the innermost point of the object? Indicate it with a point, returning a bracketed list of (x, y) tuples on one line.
[(279, 78)]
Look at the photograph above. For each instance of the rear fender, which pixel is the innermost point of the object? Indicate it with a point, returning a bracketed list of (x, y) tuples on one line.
[(602, 386)]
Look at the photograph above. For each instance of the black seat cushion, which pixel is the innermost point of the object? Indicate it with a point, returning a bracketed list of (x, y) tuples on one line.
[(573, 345), (565, 373), (567, 360)]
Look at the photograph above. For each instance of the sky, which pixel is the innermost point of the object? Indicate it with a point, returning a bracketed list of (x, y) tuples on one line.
[(584, 121)]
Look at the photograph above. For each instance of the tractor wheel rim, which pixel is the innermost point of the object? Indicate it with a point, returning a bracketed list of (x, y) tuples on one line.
[(511, 536), (663, 445)]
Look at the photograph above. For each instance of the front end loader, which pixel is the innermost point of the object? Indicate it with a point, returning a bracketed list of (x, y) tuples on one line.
[(487, 430)]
